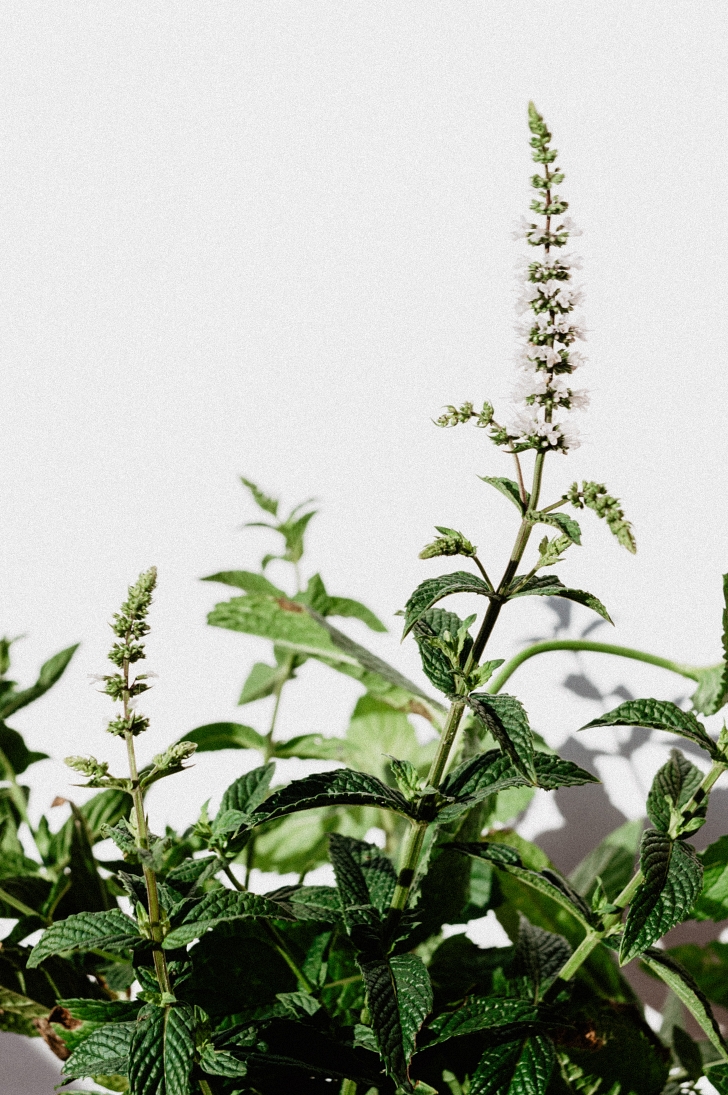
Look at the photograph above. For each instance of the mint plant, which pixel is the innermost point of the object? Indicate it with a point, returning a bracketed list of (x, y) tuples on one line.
[(354, 986)]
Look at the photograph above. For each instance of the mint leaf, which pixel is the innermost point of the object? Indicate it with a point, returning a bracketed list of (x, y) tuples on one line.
[(384, 1014), (270, 505), (432, 590), (222, 907), (247, 580), (345, 606), (50, 672), (86, 931), (414, 997), (506, 1016), (262, 681), (673, 786), (507, 488), (225, 735), (436, 664), (713, 901), (506, 719), (659, 715), (342, 787), (519, 1068), (709, 696), (540, 955), (673, 876), (311, 747), (548, 585), (248, 791), (562, 522), (162, 1051), (104, 1052), (686, 989)]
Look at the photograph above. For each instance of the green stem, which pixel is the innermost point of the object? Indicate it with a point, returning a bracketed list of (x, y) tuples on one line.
[(599, 648), (348, 1087), (204, 1086)]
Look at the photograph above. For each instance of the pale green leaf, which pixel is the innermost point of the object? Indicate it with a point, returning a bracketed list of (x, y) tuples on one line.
[(685, 988), (225, 735), (612, 861), (713, 901), (673, 786), (247, 580), (507, 488)]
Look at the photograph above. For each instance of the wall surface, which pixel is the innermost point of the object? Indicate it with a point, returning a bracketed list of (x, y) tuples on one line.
[(272, 238)]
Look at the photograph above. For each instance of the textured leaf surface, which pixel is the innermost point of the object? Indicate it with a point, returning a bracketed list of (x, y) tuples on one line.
[(162, 1051), (223, 906), (507, 488), (432, 590), (562, 522), (658, 715), (710, 695), (249, 790), (674, 785), (540, 955), (111, 930), (686, 989), (516, 1068), (548, 585), (436, 665), (414, 996), (384, 1013), (104, 1052), (485, 1013), (506, 719), (343, 787), (673, 876), (224, 735)]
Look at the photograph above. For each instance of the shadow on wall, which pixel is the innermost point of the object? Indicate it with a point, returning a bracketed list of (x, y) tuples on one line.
[(28, 1067)]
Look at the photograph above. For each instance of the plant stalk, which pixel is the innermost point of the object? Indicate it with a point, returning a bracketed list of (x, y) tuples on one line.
[(583, 644)]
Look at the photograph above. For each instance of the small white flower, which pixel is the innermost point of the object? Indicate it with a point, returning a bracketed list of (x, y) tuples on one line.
[(523, 229), (570, 435), (569, 226), (580, 399)]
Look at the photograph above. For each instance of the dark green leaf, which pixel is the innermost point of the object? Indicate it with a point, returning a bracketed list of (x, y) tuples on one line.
[(685, 988), (270, 505), (217, 1062), (522, 1067), (500, 854), (111, 930), (432, 590), (436, 665), (162, 1051), (16, 752), (414, 997), (713, 901), (220, 907), (247, 580), (612, 861), (548, 585), (673, 786), (554, 772), (248, 791), (562, 522), (104, 1052), (506, 719), (718, 1076), (384, 1014), (539, 955), (658, 715), (342, 787), (317, 903), (102, 1011), (225, 735), (507, 488), (50, 672), (485, 1013), (673, 876), (688, 1053), (362, 918)]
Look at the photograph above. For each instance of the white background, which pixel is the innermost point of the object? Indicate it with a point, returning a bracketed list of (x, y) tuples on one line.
[(273, 238)]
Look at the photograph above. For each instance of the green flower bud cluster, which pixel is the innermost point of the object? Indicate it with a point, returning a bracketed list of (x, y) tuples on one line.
[(595, 497), (97, 773), (130, 623), (133, 724), (451, 542), (455, 415), (551, 552)]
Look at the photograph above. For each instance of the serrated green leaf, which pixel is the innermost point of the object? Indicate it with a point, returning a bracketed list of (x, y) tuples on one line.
[(316, 903), (612, 861), (221, 907), (507, 488), (562, 522), (224, 735), (414, 997), (507, 1016), (105, 1051), (673, 786), (270, 505), (523, 1067), (101, 1011), (384, 1014), (658, 715), (718, 1076), (218, 1062), (248, 791), (506, 719), (432, 590), (247, 580), (548, 585), (673, 876), (342, 787), (380, 876), (111, 930), (539, 955), (686, 989), (436, 665), (162, 1051), (713, 901), (363, 920), (554, 772), (50, 672)]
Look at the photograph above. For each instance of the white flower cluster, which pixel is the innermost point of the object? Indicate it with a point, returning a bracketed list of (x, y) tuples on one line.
[(547, 359)]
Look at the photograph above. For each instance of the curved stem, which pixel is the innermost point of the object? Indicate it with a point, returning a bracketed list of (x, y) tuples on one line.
[(692, 672)]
